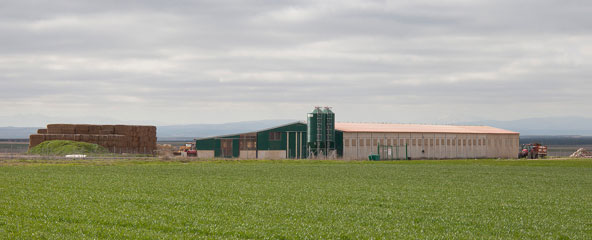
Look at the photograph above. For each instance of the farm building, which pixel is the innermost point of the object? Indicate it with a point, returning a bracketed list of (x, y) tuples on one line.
[(400, 141), (322, 137), (285, 141)]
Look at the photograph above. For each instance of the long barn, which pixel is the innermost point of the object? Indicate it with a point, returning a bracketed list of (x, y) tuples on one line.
[(401, 141), (358, 141)]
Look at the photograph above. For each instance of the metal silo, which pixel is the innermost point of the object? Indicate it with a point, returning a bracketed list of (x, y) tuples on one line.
[(315, 126), (329, 128), (321, 132), (311, 127)]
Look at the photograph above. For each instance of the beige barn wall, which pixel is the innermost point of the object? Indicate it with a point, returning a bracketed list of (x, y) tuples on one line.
[(272, 154), (432, 146), (205, 153), (248, 154)]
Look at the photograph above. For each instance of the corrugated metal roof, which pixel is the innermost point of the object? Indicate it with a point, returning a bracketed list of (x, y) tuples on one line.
[(243, 133), (417, 128)]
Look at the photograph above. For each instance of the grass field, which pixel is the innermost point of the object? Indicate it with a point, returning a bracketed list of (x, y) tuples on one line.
[(467, 199)]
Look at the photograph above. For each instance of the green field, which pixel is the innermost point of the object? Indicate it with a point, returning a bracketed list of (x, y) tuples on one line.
[(466, 199)]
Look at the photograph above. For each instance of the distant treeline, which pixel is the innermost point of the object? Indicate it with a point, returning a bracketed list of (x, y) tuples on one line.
[(557, 140)]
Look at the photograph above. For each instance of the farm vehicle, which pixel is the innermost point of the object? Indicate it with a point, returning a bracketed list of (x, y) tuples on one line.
[(187, 150), (532, 151)]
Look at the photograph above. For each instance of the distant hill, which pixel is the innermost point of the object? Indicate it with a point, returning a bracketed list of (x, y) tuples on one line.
[(527, 127), (16, 132), (206, 130), (543, 126)]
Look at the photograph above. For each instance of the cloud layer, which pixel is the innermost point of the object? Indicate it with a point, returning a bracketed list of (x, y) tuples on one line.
[(207, 61)]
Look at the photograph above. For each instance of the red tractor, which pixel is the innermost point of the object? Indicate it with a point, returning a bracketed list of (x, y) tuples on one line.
[(532, 151), (186, 151)]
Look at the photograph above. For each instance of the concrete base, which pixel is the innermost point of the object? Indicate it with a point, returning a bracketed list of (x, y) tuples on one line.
[(205, 153), (248, 154), (272, 154)]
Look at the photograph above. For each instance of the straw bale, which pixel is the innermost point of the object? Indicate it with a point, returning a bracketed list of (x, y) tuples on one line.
[(94, 129), (54, 128), (81, 128), (123, 129), (106, 132), (108, 127), (85, 137), (68, 129), (70, 137), (112, 138), (103, 138), (36, 139)]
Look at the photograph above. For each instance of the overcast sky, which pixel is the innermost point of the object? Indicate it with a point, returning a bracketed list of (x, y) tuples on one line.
[(181, 62)]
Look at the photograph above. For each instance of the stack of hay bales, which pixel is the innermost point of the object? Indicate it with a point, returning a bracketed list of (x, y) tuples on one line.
[(116, 138)]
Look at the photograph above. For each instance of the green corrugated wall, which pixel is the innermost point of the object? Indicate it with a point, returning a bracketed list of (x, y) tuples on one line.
[(263, 142), (216, 145), (339, 142)]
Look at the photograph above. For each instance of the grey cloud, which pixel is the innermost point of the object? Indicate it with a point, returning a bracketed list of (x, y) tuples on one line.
[(234, 59)]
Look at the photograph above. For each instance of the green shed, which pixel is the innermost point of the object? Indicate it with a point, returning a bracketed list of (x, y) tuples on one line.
[(281, 142)]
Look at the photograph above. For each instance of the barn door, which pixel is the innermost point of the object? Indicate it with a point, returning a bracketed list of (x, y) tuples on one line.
[(226, 147)]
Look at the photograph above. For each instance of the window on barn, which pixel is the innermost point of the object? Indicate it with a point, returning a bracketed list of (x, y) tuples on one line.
[(347, 142), (368, 142), (247, 142), (275, 136), (353, 142)]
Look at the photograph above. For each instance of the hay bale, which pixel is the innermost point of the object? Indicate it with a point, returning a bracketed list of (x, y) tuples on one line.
[(106, 132), (94, 129), (36, 139), (81, 128), (70, 137), (54, 128), (42, 131), (123, 129), (66, 129)]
